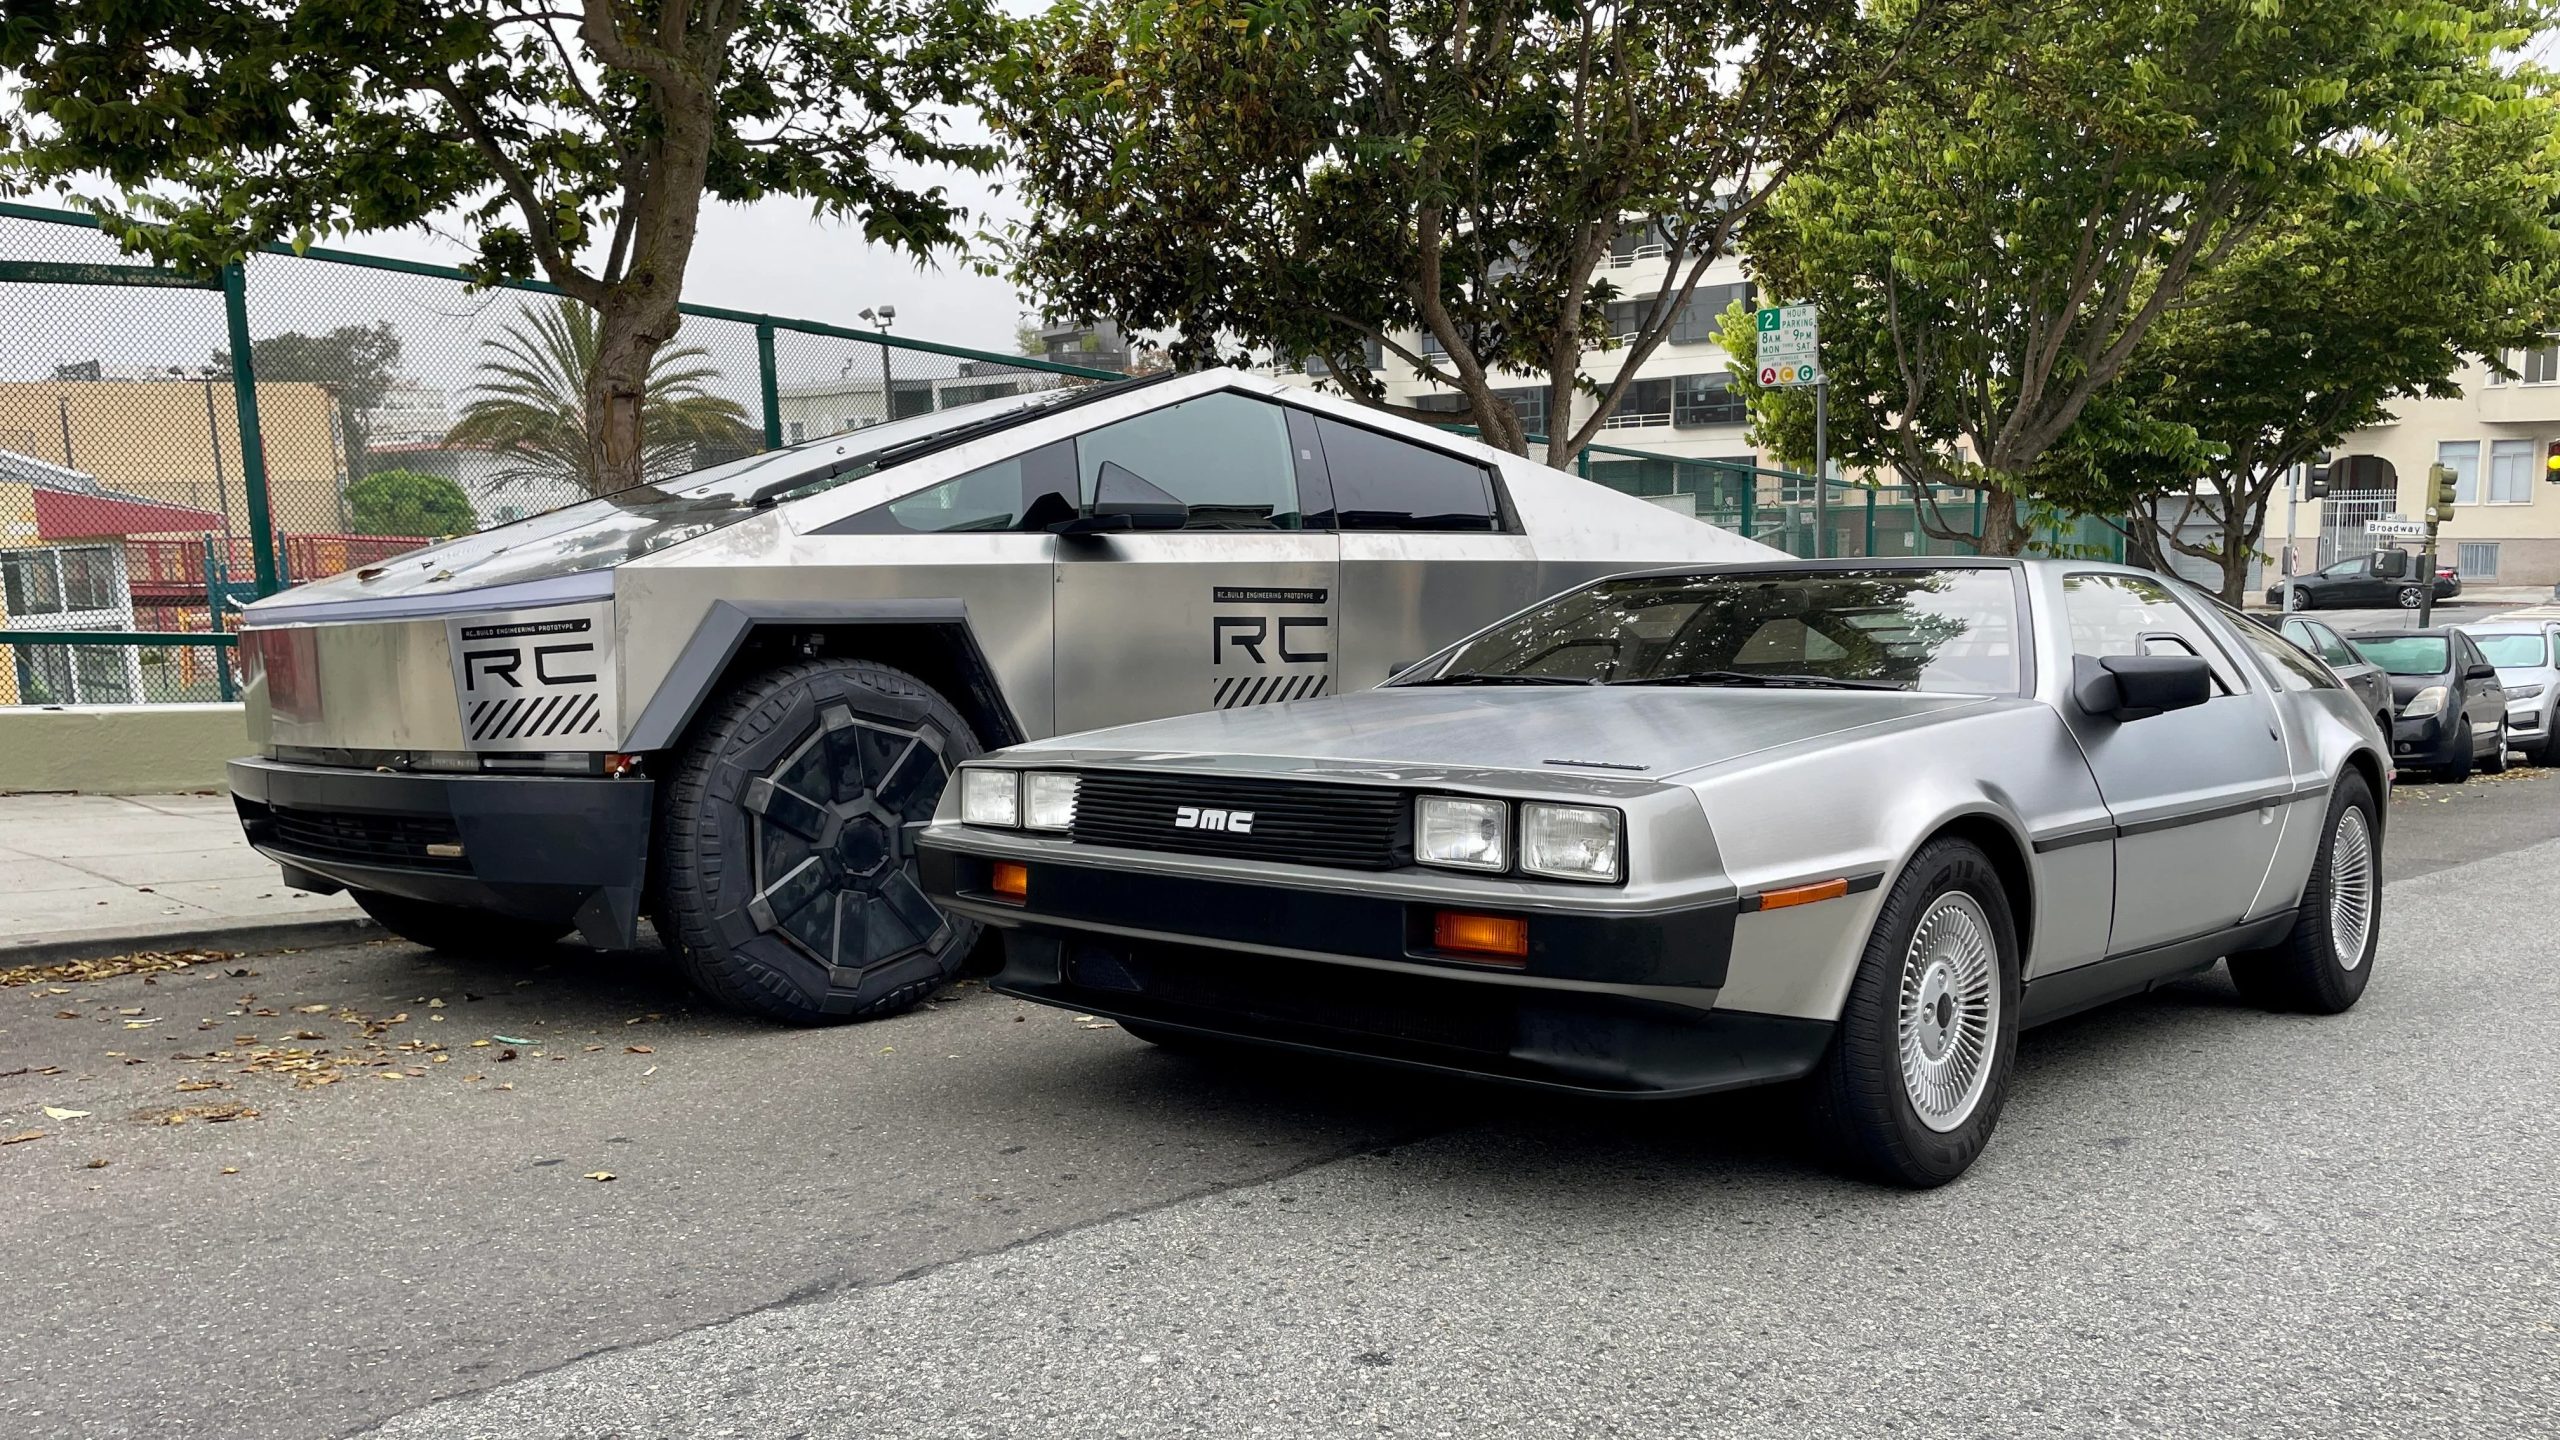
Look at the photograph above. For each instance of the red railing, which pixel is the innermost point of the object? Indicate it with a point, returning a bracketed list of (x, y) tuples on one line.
[(174, 569)]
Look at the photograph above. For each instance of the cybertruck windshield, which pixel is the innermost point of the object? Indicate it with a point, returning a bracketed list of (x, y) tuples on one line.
[(1954, 629), (610, 529)]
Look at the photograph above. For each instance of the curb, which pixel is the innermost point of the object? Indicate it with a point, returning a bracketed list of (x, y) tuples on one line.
[(246, 937)]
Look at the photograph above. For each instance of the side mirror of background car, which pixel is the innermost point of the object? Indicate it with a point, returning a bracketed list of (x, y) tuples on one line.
[(2481, 672), (2135, 687)]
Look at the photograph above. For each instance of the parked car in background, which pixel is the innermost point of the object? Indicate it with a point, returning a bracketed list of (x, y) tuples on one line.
[(2448, 580), (2384, 577), (2527, 654), (2452, 710), (725, 700), (2361, 675), (1853, 822)]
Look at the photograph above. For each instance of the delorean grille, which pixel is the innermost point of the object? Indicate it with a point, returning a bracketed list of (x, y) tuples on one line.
[(1346, 827), (367, 839)]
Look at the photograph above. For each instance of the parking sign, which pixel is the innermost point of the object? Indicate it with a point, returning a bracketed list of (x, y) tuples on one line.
[(1790, 342)]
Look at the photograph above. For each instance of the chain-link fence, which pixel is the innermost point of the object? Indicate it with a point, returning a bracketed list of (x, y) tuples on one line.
[(384, 403)]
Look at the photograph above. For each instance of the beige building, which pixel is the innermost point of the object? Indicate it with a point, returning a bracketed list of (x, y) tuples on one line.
[(2497, 437), (177, 441)]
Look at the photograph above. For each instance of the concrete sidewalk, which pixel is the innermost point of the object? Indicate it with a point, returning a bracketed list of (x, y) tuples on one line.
[(99, 874)]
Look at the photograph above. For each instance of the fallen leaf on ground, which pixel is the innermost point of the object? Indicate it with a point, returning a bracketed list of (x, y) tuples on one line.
[(66, 1014), (435, 1004), (597, 1175), (56, 1112), (130, 1010), (188, 1086), (95, 1165), (310, 1009), (210, 1114), (479, 1044), (230, 1169), (502, 1055), (638, 1050), (141, 962), (510, 1040), (22, 1137)]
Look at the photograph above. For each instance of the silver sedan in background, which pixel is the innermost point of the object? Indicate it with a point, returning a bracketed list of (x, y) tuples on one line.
[(2523, 647), (1854, 823)]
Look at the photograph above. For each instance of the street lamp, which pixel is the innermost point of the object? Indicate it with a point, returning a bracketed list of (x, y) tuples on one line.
[(881, 318)]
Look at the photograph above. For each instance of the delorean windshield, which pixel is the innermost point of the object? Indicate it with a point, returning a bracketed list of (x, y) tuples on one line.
[(604, 532)]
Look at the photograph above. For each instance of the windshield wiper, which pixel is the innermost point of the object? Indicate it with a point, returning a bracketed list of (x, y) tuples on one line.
[(1478, 677), (1755, 678)]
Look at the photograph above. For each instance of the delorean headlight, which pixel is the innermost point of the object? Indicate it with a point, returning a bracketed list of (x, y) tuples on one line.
[(1048, 800), (1572, 842), (1462, 834), (991, 797)]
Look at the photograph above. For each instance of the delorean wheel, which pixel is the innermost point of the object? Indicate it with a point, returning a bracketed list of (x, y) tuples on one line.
[(2321, 968), (453, 928), (1919, 1068), (787, 872)]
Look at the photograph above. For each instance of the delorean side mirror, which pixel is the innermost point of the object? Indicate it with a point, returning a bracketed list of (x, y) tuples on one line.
[(2136, 687)]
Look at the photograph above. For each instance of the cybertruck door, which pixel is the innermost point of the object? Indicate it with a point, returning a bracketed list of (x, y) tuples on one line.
[(1428, 554), (2198, 794), (1235, 608)]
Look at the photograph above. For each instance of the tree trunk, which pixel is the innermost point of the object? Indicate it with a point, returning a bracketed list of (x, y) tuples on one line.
[(630, 327), (2238, 546), (2004, 527)]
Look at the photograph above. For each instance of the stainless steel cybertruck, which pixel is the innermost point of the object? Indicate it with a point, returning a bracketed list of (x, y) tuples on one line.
[(726, 701)]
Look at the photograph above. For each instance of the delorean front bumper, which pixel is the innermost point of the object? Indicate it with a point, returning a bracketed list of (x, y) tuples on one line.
[(569, 849), (1607, 1003)]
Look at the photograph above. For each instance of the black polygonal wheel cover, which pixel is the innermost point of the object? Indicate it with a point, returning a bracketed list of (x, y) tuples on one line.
[(834, 867)]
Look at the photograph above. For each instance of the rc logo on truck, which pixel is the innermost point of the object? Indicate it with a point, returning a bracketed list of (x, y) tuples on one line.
[(539, 683)]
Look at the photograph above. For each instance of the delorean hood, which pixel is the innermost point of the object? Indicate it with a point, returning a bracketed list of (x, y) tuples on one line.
[(1631, 733)]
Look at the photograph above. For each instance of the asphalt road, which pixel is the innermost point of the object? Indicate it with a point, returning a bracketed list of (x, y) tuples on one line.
[(990, 1219)]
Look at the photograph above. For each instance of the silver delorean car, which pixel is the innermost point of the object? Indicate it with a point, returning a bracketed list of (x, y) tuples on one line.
[(1678, 832), (727, 701)]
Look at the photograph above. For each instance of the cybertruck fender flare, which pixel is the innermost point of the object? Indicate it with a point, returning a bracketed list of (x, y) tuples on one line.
[(725, 630)]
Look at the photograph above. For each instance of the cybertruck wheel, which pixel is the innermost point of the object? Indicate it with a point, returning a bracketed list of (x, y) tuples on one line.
[(454, 928), (786, 860), (1919, 1069), (2322, 967)]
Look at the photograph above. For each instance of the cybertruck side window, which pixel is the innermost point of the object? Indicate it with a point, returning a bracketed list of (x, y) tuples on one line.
[(1382, 483), (1027, 492), (1225, 456)]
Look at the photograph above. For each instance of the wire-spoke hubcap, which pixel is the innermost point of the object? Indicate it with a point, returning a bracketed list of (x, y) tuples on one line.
[(1950, 1014), (834, 868), (2350, 887)]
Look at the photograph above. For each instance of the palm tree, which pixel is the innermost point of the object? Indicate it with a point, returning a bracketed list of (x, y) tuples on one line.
[(531, 404)]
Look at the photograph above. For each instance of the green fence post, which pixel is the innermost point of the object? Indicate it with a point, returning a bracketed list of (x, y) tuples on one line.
[(1582, 462), (1871, 522), (213, 611), (253, 448), (1981, 516), (768, 385), (1750, 501)]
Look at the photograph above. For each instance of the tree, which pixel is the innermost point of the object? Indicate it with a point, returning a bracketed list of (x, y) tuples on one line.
[(529, 405), (356, 362), (407, 503), (577, 140), (2329, 314), (1991, 250), (1316, 179)]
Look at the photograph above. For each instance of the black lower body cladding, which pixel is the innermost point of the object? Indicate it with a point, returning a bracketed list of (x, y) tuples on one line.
[(1597, 1007), (553, 849)]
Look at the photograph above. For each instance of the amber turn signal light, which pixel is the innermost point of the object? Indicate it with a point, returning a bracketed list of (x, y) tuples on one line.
[(1501, 939), (1010, 880), (1803, 894)]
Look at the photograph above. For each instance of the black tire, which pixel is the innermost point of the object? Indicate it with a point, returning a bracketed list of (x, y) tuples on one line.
[(2547, 754), (2459, 768), (2495, 762), (1862, 1108), (455, 929), (2302, 599), (786, 870), (2305, 971), (2411, 597)]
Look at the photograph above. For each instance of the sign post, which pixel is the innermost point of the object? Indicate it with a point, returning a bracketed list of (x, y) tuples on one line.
[(1789, 359)]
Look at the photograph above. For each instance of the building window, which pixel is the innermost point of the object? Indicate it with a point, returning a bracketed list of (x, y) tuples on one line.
[(2478, 559), (799, 431), (1696, 323), (1625, 317), (2541, 367), (1530, 404), (1646, 403), (1644, 242), (2464, 457), (2511, 472), (62, 581), (1439, 404), (1705, 400), (1431, 345)]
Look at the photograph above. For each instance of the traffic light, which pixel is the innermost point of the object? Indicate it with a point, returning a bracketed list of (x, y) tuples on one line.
[(2441, 481), (2315, 485), (2551, 462)]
